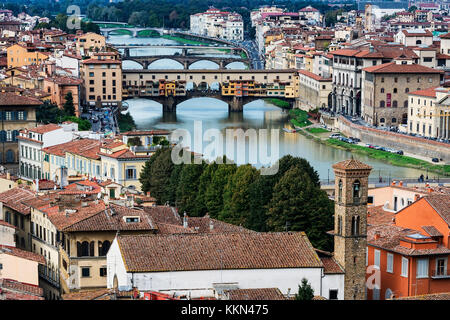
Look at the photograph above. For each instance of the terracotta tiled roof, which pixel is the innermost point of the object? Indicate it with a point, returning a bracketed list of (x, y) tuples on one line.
[(46, 184), (164, 214), (445, 36), (14, 198), (203, 225), (88, 148), (432, 296), (426, 33), (392, 67), (45, 128), (430, 92), (13, 251), (377, 215), (432, 231), (313, 75), (12, 99), (14, 290), (112, 219), (167, 228), (98, 294), (61, 221), (184, 252), (330, 265), (351, 164), (255, 294), (389, 239), (440, 203)]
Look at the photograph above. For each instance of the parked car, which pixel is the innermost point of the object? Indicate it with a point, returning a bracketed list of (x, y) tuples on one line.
[(400, 152), (335, 135), (435, 160)]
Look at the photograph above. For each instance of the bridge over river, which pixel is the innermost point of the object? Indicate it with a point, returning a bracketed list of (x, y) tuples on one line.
[(272, 84)]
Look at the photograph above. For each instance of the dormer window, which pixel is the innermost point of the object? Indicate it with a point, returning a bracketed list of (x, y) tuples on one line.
[(131, 219)]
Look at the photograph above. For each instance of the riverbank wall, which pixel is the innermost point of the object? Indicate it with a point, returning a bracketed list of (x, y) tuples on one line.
[(410, 144)]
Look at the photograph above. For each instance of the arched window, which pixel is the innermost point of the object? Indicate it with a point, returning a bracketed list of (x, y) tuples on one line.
[(382, 120), (356, 190), (91, 248), (83, 249), (394, 104), (340, 191), (104, 248), (394, 120), (405, 104), (355, 225), (382, 104), (388, 294), (382, 90), (418, 41), (406, 90)]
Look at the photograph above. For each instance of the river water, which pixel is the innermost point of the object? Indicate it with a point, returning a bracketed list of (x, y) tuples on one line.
[(213, 114)]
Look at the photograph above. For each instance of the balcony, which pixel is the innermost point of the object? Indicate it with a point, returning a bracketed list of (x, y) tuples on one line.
[(435, 274)]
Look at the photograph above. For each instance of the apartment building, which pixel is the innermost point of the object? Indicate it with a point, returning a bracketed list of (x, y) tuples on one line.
[(428, 113), (314, 91), (31, 143), (410, 253), (386, 89), (219, 24), (19, 55), (102, 78), (414, 37), (89, 43), (17, 113)]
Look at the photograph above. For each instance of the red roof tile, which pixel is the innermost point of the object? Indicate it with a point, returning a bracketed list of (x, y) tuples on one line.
[(184, 252), (392, 67), (255, 294), (13, 251), (11, 99)]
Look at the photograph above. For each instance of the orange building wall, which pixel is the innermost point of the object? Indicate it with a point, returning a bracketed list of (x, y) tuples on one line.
[(422, 214)]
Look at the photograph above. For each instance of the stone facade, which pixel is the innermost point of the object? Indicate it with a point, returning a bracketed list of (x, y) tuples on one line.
[(385, 96), (350, 234)]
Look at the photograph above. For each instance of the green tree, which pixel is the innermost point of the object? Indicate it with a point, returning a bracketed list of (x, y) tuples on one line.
[(83, 125), (297, 204), (172, 187), (203, 183), (68, 106), (126, 122), (188, 188), (236, 196), (155, 175), (305, 291), (412, 9), (49, 113), (214, 191)]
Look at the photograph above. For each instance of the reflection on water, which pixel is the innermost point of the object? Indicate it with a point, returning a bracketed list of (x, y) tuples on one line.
[(257, 115)]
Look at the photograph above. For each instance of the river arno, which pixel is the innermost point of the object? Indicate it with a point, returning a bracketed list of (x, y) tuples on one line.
[(257, 115)]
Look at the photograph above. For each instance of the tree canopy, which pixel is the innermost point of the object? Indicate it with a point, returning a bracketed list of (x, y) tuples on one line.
[(289, 200)]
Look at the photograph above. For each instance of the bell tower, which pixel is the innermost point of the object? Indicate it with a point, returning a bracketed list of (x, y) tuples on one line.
[(350, 224)]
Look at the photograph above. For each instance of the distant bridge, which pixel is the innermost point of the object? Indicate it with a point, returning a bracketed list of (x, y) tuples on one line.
[(184, 59), (134, 31), (140, 83)]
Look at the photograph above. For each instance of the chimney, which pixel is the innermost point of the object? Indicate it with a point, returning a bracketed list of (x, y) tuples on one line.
[(185, 222), (416, 197), (37, 185), (8, 175), (393, 183), (211, 225), (400, 183), (377, 235)]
